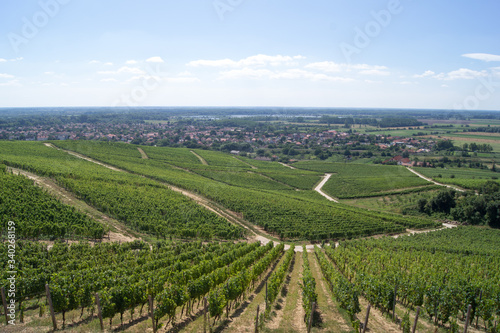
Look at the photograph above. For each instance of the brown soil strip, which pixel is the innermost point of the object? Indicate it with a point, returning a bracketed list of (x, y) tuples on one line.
[(287, 165), (83, 157), (202, 160), (251, 166), (320, 186), (143, 153)]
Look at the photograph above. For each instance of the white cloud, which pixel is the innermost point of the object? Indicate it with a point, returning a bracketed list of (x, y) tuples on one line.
[(375, 72), (290, 74), (246, 72), (183, 79), (6, 76), (93, 62), (424, 74), (482, 56), (3, 60), (12, 83), (109, 80), (155, 59), (259, 60), (108, 64), (462, 73), (124, 69), (333, 67), (131, 62)]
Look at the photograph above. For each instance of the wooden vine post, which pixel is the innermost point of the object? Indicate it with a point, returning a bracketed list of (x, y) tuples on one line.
[(204, 315), (266, 295), (152, 312), (51, 307), (99, 310), (309, 325), (394, 306), (257, 320), (466, 327), (366, 318), (416, 320), (4, 302)]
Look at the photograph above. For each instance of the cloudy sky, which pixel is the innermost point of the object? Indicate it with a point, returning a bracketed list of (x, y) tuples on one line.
[(331, 53)]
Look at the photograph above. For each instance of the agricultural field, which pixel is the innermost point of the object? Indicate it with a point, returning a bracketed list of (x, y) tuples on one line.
[(36, 214), (440, 272), (351, 180), (142, 204), (467, 178), (287, 217)]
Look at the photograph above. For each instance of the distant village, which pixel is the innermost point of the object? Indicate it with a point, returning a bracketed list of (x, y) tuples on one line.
[(232, 138)]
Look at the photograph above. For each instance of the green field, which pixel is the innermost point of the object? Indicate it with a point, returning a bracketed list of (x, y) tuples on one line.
[(464, 177), (274, 205), (350, 180)]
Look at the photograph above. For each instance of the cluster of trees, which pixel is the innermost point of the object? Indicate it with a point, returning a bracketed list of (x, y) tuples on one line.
[(384, 122), (470, 208)]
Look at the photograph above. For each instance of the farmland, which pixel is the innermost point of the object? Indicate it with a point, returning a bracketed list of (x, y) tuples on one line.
[(179, 199), (359, 180)]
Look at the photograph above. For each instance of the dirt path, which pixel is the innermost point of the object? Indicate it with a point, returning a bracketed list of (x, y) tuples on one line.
[(287, 165), (83, 157), (202, 160), (331, 318), (119, 231), (251, 166), (376, 321), (143, 153), (320, 186), (435, 182)]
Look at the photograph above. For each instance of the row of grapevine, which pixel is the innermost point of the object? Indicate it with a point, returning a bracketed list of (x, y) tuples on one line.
[(308, 285), (344, 292), (186, 291), (443, 279), (236, 286), (278, 277)]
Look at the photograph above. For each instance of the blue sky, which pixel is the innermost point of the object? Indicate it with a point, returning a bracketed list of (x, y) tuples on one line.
[(327, 53)]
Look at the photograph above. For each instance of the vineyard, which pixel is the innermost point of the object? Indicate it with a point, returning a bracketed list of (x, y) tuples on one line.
[(351, 180), (140, 203), (195, 273), (275, 206), (222, 286), (466, 178)]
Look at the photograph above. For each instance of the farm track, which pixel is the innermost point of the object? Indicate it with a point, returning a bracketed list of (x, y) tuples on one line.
[(202, 160), (251, 166), (320, 186), (435, 182), (143, 153)]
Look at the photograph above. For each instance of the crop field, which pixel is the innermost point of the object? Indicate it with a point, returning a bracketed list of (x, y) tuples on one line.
[(351, 180), (143, 204), (464, 177), (296, 216)]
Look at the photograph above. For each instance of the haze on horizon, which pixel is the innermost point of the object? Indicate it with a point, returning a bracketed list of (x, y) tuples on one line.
[(321, 53)]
